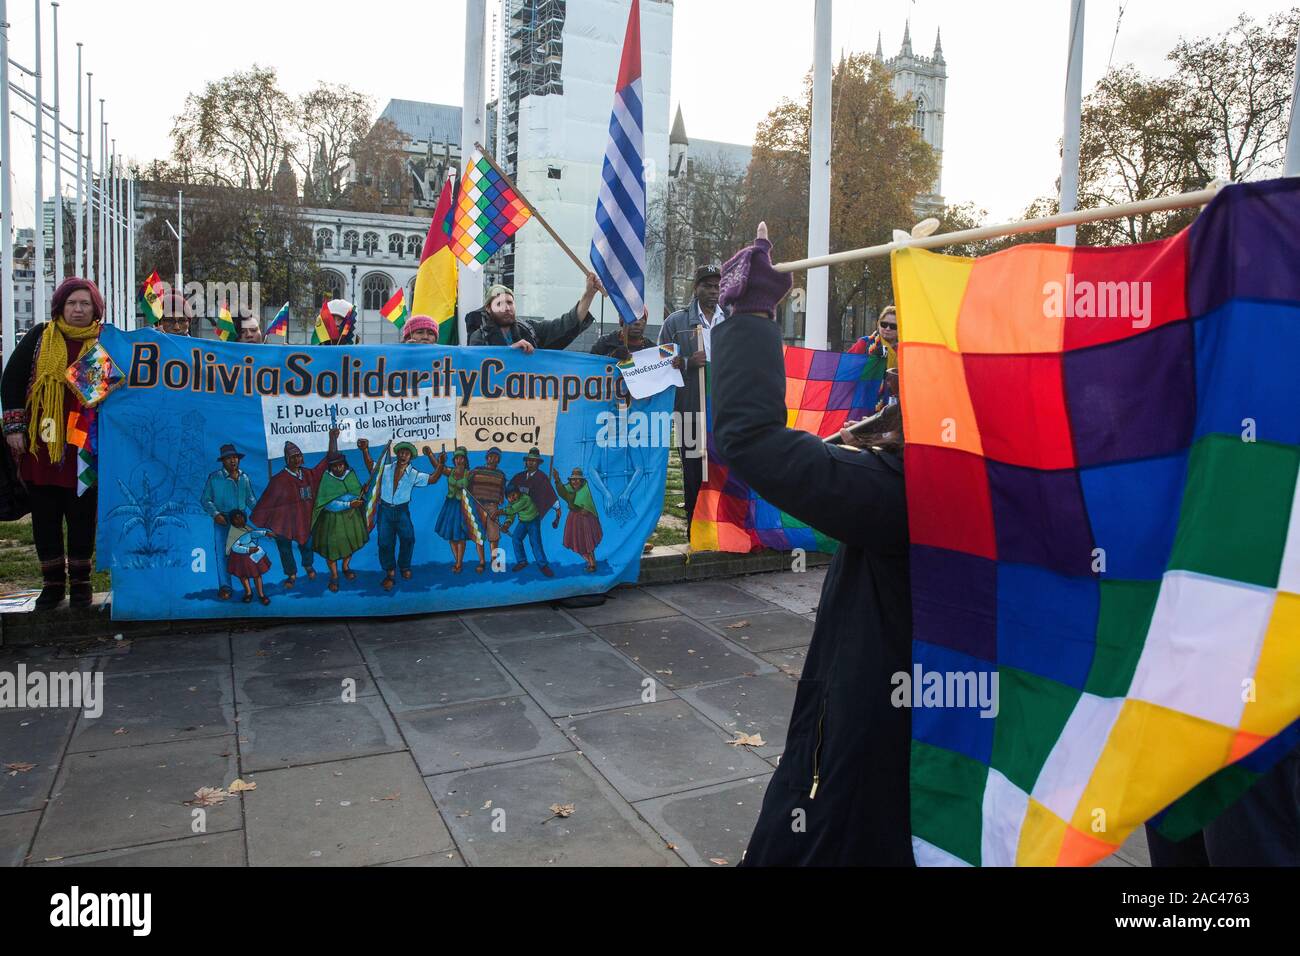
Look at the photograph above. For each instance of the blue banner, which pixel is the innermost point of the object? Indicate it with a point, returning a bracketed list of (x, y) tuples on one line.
[(278, 481)]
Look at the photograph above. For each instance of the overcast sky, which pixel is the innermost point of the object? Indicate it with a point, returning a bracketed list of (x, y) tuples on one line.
[(732, 61)]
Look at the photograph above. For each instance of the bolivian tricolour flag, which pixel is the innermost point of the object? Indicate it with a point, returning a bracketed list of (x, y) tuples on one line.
[(395, 310), (151, 299), (226, 325), (435, 283), (327, 329)]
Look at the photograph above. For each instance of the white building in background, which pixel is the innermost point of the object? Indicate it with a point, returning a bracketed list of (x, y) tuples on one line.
[(559, 62), (925, 80)]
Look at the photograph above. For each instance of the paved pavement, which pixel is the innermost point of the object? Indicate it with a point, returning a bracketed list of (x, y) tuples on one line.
[(460, 737)]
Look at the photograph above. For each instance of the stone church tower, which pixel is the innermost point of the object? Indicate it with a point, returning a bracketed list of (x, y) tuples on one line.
[(924, 79)]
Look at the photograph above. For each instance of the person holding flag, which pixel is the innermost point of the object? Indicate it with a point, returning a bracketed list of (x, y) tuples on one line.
[(501, 327), (335, 323)]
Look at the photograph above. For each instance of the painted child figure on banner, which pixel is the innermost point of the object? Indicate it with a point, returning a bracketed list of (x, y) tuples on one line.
[(582, 532), (456, 522), (394, 519), (532, 481), (286, 506), (338, 525), (487, 487), (521, 507), (227, 489), (245, 558)]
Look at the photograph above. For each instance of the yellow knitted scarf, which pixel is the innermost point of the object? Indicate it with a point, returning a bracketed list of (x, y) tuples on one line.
[(45, 400)]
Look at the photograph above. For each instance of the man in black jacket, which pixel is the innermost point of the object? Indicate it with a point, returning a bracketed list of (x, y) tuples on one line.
[(500, 327), (840, 793), (689, 329)]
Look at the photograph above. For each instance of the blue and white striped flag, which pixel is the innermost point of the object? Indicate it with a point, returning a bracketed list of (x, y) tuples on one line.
[(618, 244)]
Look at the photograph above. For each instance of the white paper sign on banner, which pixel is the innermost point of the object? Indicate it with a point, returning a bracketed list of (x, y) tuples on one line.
[(650, 371), (421, 419)]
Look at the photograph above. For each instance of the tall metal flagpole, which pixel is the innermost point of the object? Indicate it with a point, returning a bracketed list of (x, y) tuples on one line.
[(103, 209), (473, 121), (80, 249), (89, 127), (6, 197), (1292, 167), (38, 263), (1073, 116), (130, 248), (817, 302), (58, 162)]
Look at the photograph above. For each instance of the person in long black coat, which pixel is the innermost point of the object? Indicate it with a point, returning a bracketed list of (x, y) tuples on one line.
[(840, 793)]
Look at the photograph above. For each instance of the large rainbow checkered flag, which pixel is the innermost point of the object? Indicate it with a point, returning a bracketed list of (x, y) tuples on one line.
[(618, 242), (489, 211), (1102, 452), (823, 390)]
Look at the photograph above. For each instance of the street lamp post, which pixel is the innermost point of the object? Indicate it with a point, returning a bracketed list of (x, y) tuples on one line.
[(259, 236)]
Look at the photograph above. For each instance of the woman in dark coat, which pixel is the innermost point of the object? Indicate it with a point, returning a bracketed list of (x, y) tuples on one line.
[(840, 793), (37, 403)]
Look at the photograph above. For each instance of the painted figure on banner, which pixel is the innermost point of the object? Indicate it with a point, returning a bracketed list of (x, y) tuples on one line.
[(286, 508), (487, 487), (457, 522), (338, 524), (582, 532), (523, 509), (227, 489), (396, 530), (245, 558), (532, 481)]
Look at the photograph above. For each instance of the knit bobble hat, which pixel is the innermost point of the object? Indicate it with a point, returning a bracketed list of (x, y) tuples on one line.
[(750, 284)]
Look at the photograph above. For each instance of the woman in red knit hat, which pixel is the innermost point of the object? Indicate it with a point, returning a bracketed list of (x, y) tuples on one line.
[(37, 403)]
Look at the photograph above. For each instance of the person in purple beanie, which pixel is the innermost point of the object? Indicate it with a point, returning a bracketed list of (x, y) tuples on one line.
[(839, 796)]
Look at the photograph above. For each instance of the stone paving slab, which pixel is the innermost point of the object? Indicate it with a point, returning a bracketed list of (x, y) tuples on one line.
[(714, 599), (169, 653), (158, 706), (393, 630), (436, 671), (766, 631), (602, 831), (655, 749), (749, 705), (517, 623), (217, 849), (797, 592), (710, 826), (281, 688), (309, 646), (574, 674), (789, 662), (31, 737), (16, 830), (449, 858), (349, 813), (135, 795), (479, 734), (272, 737), (624, 605), (680, 652)]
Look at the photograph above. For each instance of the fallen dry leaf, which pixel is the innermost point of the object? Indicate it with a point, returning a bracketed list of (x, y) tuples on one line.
[(395, 795), (208, 797), (747, 740), (718, 861), (120, 731), (16, 768), (560, 810), (239, 786), (487, 806), (732, 627)]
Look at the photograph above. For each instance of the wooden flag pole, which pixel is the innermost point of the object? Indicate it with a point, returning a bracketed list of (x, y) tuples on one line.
[(533, 209)]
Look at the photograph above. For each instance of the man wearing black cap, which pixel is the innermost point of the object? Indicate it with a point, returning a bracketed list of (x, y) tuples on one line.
[(689, 330), (227, 489), (285, 508)]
